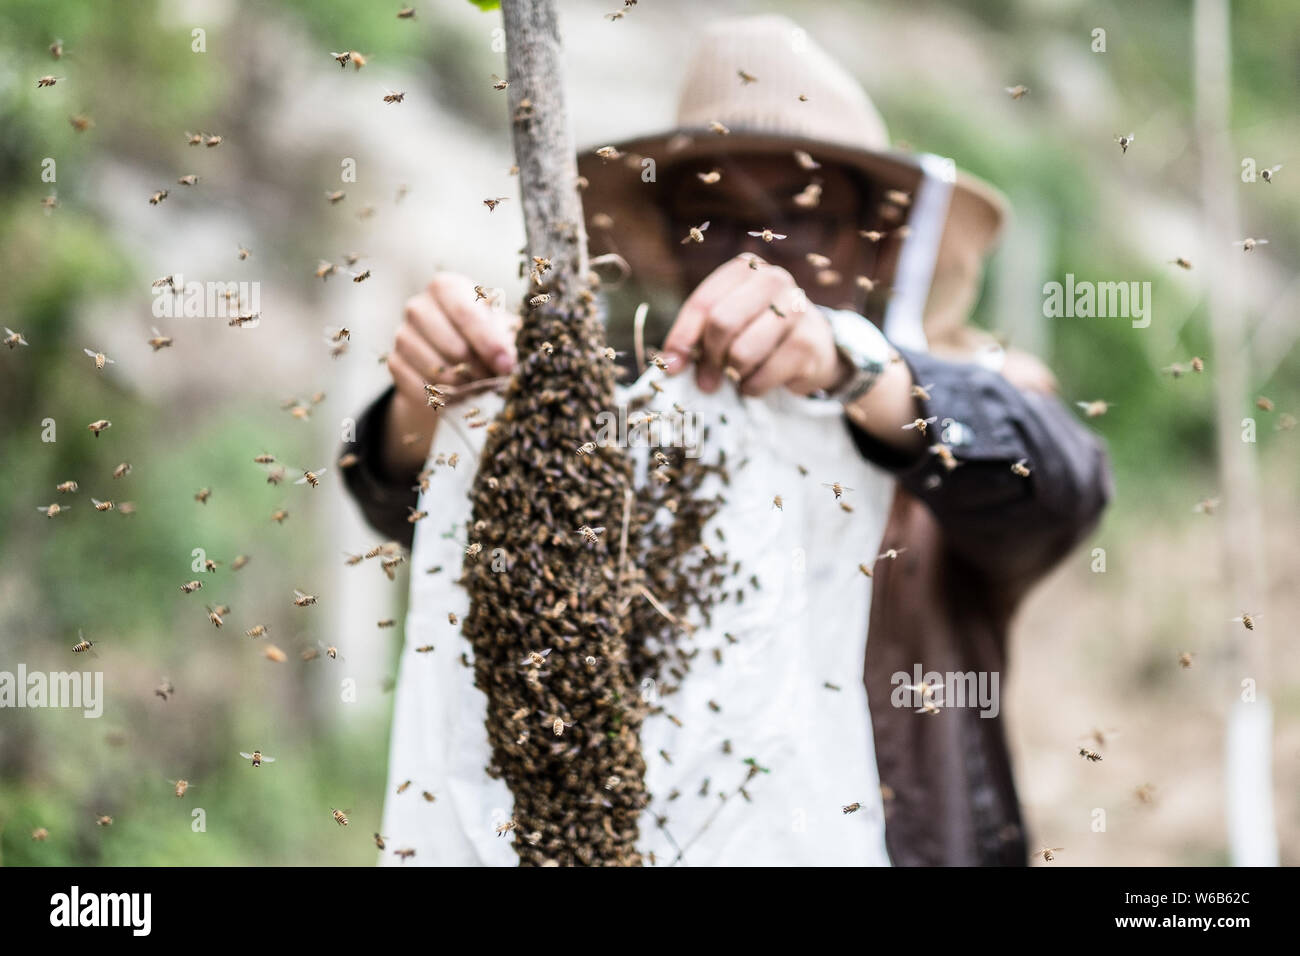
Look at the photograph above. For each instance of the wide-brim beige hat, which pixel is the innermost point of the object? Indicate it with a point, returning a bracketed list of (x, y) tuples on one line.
[(796, 97)]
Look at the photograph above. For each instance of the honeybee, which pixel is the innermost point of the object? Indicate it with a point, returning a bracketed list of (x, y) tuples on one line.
[(1185, 659), (66, 487), (103, 820), (890, 554), (302, 599), (164, 689), (241, 253), (348, 460), (1018, 91), (193, 139), (47, 81), (709, 178), (202, 495), (493, 203), (392, 97), (342, 58), (499, 84), (361, 276), (1267, 174), (428, 797), (1145, 793), (1124, 142), (898, 198), (239, 562), (1285, 422), (126, 508), (1248, 243), (212, 141), (13, 339), (506, 827), (1090, 755), (837, 488), (696, 233), (540, 299), (188, 180), (56, 49), (81, 122), (1049, 853), (767, 235), (101, 505), (257, 630), (1247, 620), (718, 128), (416, 515), (280, 515), (1181, 263), (157, 197), (325, 269), (100, 358), (158, 340), (257, 757), (404, 855), (82, 645), (274, 654), (929, 707), (1094, 409), (274, 476), (558, 725), (387, 622), (851, 808), (191, 587), (1264, 404), (921, 424), (1197, 364), (865, 569), (589, 533), (340, 817), (40, 834), (424, 649), (809, 197), (311, 478), (927, 690), (335, 197), (1021, 468), (214, 614), (536, 658), (586, 448), (240, 321), (180, 786)]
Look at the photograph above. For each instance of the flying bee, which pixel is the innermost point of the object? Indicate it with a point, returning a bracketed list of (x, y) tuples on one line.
[(56, 49), (898, 198), (817, 260), (164, 689), (1124, 142), (927, 690), (239, 562), (778, 503), (746, 78), (711, 177), (1247, 620), (499, 84), (257, 630), (929, 707), (311, 478), (103, 820), (1091, 755), (361, 276), (325, 269), (348, 460), (890, 554), (810, 196), (239, 321), (100, 358), (1248, 243), (1095, 409), (335, 197), (451, 618), (589, 533), (340, 817), (540, 299), (202, 495), (82, 645), (1206, 506), (66, 487), (403, 786), (609, 152), (559, 724), (392, 97), (387, 622), (13, 339), (1185, 659), (274, 476), (193, 139), (40, 834), (404, 855), (52, 510), (1018, 91), (47, 81), (212, 141), (188, 180), (214, 615), (865, 570), (101, 505), (921, 424), (767, 235), (428, 797), (851, 808), (837, 488), (99, 426), (696, 233), (342, 58), (1264, 404), (1285, 422), (536, 658), (1145, 794), (586, 448), (922, 392), (81, 122), (157, 197), (718, 128), (1021, 468), (424, 649), (158, 340), (805, 161), (1197, 364), (191, 587), (300, 599), (1049, 853), (493, 203), (274, 654), (416, 515), (1267, 174), (179, 787), (1181, 263), (871, 235), (257, 757), (506, 827)]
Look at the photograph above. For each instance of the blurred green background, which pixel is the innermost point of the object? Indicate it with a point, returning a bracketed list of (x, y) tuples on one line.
[(1100, 647)]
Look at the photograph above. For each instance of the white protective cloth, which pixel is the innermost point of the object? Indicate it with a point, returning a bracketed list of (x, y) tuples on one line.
[(806, 626)]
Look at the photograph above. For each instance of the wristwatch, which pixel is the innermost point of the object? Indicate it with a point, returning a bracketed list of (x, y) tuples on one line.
[(865, 349)]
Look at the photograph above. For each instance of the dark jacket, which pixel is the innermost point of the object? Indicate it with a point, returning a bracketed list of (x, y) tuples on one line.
[(977, 538)]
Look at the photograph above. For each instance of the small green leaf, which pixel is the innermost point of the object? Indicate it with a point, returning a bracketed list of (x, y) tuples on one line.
[(486, 4)]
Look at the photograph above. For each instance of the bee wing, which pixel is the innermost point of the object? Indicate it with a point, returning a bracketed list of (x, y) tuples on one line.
[(546, 652), (90, 353), (247, 756), (704, 226), (757, 235), (299, 594), (266, 759), (777, 235)]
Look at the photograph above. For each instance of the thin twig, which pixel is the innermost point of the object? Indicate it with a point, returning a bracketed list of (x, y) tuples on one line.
[(654, 602), (638, 328), (622, 544)]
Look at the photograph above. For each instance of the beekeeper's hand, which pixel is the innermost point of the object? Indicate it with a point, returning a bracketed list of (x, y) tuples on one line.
[(448, 335), (758, 322)]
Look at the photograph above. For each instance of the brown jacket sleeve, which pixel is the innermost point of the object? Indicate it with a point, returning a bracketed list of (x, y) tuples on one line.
[(1009, 528), (384, 499)]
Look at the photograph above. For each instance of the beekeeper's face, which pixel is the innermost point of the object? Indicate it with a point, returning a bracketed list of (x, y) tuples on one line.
[(772, 192)]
